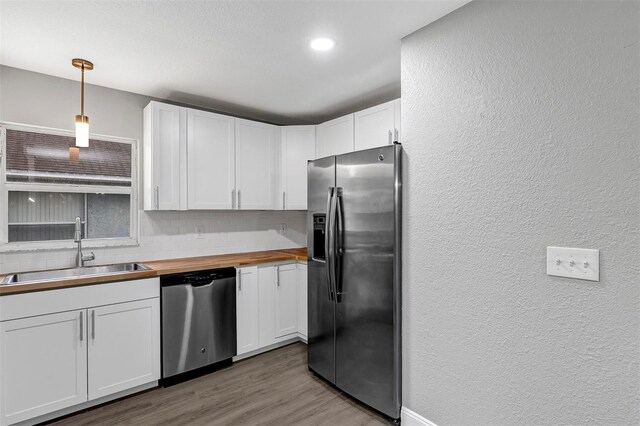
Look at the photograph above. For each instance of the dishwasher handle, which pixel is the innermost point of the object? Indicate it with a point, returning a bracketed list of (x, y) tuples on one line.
[(202, 282)]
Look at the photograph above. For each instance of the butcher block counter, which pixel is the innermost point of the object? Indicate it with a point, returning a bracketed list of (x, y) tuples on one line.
[(162, 267)]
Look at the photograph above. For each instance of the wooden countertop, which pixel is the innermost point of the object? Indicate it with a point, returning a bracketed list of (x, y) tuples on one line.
[(163, 267)]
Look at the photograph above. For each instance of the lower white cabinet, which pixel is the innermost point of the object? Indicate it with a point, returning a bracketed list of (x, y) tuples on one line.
[(271, 306), (61, 348), (247, 319), (286, 299), (123, 343), (43, 365), (302, 303)]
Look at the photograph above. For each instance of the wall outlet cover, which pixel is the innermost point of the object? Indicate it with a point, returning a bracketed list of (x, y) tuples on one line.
[(283, 228), (199, 232)]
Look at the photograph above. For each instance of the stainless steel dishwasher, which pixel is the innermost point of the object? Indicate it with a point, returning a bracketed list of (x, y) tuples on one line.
[(198, 319)]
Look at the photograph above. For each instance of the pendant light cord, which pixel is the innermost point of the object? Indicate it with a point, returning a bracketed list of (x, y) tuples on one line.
[(82, 94)]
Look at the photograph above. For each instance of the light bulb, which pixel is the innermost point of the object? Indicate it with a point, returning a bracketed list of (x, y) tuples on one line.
[(322, 43), (82, 131)]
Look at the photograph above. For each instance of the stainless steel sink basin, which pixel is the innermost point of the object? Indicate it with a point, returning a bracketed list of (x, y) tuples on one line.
[(27, 277)]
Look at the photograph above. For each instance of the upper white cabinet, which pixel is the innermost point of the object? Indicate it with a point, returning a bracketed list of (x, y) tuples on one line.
[(123, 344), (43, 365), (377, 126), (165, 154), (335, 137), (200, 160), (298, 147), (256, 159), (211, 160)]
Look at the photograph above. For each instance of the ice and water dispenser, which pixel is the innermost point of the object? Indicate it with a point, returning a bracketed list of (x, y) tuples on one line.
[(319, 234)]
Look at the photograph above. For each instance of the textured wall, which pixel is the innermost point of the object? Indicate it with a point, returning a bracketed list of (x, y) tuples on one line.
[(521, 130), (42, 100)]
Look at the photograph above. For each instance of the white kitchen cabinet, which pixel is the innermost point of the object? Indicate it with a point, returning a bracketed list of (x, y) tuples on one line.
[(52, 359), (287, 302), (298, 145), (211, 160), (377, 126), (267, 304), (278, 306), (335, 137), (124, 346), (256, 160), (302, 300), (165, 156), (247, 319), (398, 120), (43, 365)]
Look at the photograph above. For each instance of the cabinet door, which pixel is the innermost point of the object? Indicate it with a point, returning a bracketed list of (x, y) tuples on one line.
[(247, 319), (267, 304), (298, 147), (397, 121), (255, 165), (334, 137), (124, 346), (286, 299), (211, 160), (164, 157), (302, 300), (43, 365), (375, 127)]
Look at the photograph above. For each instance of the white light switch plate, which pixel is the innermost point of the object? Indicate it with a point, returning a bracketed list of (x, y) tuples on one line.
[(583, 264)]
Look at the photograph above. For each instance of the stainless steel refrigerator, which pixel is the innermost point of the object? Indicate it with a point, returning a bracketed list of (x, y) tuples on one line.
[(353, 238)]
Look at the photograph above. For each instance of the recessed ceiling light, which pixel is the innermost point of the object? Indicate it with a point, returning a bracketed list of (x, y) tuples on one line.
[(322, 43)]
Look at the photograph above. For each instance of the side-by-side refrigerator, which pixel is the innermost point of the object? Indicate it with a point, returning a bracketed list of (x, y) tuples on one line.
[(353, 238)]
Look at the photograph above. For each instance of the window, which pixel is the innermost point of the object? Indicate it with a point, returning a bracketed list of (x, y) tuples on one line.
[(46, 183)]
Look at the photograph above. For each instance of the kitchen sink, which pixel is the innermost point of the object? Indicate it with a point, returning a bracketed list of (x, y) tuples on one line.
[(27, 277)]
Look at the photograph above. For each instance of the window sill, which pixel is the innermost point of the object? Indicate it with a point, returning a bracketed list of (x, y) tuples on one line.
[(33, 246)]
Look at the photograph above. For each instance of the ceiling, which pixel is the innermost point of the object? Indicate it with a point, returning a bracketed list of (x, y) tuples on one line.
[(249, 58)]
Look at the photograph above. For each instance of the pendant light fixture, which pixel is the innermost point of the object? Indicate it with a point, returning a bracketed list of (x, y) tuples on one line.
[(82, 121)]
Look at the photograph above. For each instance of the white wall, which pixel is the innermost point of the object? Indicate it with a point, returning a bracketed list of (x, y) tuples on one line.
[(42, 100), (521, 131)]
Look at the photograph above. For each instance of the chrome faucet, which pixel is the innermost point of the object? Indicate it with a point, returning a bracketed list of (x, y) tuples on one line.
[(77, 237)]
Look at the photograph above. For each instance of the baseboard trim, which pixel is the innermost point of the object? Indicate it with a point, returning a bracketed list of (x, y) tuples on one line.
[(271, 347), (86, 405), (411, 418)]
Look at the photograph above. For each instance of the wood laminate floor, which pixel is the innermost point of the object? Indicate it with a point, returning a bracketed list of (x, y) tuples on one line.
[(274, 388)]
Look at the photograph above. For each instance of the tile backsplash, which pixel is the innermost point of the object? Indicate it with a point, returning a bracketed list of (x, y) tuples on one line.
[(164, 235)]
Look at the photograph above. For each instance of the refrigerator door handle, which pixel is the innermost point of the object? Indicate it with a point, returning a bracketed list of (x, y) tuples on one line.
[(339, 235), (327, 242), (332, 243)]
